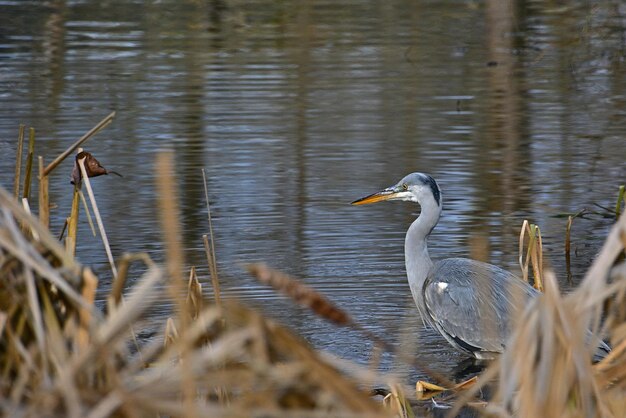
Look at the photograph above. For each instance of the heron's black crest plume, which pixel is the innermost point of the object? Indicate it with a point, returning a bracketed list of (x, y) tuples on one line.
[(430, 182)]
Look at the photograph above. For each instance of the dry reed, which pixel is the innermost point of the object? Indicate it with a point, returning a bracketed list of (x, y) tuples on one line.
[(29, 164), (300, 293), (46, 372), (534, 254), (209, 246), (18, 162), (62, 357)]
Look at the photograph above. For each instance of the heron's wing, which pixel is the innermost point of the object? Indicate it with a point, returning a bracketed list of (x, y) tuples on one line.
[(472, 303)]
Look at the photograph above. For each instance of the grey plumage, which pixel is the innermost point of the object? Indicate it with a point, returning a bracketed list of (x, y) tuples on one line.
[(472, 303)]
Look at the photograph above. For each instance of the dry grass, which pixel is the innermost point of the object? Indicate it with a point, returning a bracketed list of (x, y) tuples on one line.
[(61, 357)]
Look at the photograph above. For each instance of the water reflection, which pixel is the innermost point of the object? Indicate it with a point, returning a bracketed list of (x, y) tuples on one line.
[(297, 108)]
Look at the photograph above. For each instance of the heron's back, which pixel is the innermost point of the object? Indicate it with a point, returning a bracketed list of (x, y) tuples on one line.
[(473, 303)]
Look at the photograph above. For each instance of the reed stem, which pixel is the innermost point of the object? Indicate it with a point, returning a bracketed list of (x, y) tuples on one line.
[(568, 247), (620, 198), (44, 197), (18, 162), (209, 246), (72, 223), (29, 163)]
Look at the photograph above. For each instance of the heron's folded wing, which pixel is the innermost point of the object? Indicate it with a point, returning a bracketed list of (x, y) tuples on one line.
[(472, 302)]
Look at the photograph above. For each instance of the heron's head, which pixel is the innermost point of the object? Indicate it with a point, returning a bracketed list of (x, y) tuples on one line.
[(415, 187)]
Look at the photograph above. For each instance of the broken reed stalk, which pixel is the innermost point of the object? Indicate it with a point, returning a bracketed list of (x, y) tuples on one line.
[(212, 270), (620, 198), (101, 125), (209, 245), (18, 162), (194, 294), (568, 242), (534, 253), (72, 223), (568, 229), (29, 163), (96, 213), (44, 199), (398, 403), (168, 204), (171, 333), (26, 207)]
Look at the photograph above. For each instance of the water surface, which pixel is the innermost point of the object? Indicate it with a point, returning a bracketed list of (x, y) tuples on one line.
[(294, 109)]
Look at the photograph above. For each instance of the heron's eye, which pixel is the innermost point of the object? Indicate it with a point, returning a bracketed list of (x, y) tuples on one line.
[(405, 186)]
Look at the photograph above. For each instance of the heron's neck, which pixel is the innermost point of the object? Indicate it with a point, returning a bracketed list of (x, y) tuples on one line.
[(416, 257)]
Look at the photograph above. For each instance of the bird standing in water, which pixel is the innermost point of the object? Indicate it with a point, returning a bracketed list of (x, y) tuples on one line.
[(469, 302)]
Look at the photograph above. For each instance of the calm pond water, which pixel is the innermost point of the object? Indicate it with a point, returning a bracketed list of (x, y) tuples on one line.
[(297, 108)]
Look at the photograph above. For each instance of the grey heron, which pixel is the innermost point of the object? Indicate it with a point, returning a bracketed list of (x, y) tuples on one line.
[(469, 302)]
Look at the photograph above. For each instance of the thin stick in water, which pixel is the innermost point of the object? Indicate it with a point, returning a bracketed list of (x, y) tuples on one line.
[(29, 163), (620, 198), (212, 270), (209, 246), (44, 199), (568, 247), (18, 162)]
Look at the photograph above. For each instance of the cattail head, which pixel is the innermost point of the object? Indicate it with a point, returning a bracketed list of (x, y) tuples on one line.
[(300, 293)]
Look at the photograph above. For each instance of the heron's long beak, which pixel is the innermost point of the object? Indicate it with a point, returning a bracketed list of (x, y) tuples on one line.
[(386, 194)]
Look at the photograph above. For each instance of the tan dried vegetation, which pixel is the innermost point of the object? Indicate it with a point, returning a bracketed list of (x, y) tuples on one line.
[(62, 357)]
